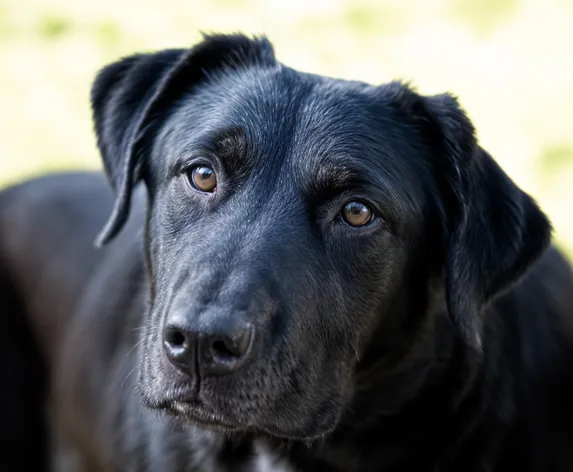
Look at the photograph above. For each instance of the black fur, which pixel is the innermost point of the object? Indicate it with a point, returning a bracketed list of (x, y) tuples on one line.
[(439, 336)]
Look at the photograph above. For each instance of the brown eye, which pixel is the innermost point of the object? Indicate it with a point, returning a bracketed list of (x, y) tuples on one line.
[(356, 213), (203, 179)]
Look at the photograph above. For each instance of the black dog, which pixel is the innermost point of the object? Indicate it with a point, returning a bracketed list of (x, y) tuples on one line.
[(332, 271)]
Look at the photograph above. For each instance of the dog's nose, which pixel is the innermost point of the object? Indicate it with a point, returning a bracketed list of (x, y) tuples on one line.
[(209, 353)]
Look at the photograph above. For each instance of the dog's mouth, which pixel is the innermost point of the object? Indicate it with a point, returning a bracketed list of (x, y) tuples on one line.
[(201, 416), (185, 405)]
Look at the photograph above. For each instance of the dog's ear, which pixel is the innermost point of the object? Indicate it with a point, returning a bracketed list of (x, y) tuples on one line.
[(120, 96), (129, 97), (493, 231)]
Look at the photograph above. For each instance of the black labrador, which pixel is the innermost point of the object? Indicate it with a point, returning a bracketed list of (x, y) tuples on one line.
[(321, 274)]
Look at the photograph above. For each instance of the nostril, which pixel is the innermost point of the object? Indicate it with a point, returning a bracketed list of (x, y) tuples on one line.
[(175, 338), (179, 346), (221, 351), (177, 343), (224, 354), (227, 350)]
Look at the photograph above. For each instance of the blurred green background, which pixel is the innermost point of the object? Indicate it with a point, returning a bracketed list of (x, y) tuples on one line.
[(509, 61)]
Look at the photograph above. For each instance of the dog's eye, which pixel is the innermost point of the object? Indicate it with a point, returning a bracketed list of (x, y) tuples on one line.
[(356, 213), (202, 178)]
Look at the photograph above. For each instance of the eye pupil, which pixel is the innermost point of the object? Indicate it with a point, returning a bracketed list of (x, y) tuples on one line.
[(203, 178), (356, 213)]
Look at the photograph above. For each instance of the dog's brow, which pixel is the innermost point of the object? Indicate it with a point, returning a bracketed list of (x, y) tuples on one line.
[(338, 176), (334, 176), (229, 145), (230, 142)]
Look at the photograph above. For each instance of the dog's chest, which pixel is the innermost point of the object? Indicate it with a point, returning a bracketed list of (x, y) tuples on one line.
[(210, 452), (267, 461)]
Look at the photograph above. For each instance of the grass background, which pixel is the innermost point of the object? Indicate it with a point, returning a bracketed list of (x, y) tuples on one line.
[(509, 61)]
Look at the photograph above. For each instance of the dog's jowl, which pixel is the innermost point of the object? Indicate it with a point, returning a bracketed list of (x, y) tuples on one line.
[(317, 274)]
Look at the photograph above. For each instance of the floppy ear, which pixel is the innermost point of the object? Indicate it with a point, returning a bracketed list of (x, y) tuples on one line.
[(495, 231), (129, 97), (120, 96)]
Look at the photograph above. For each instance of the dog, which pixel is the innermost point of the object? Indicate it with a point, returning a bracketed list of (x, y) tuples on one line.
[(322, 274)]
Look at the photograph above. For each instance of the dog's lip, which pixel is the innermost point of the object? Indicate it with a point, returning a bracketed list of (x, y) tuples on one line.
[(186, 404), (188, 407), (185, 394), (197, 413)]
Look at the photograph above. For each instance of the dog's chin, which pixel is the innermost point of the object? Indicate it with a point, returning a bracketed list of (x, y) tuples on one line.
[(291, 421), (197, 415), (184, 405), (186, 409)]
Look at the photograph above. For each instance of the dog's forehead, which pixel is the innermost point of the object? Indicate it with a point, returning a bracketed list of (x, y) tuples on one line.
[(305, 124)]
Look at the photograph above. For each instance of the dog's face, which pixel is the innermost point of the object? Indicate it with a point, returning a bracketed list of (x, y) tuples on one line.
[(294, 223), (299, 229)]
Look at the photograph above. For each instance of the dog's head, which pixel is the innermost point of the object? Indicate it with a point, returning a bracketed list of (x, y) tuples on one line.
[(294, 222)]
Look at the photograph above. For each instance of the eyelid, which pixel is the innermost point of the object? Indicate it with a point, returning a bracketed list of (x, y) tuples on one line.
[(356, 196), (198, 159), (382, 213)]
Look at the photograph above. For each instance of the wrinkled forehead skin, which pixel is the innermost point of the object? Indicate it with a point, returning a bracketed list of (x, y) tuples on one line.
[(303, 131)]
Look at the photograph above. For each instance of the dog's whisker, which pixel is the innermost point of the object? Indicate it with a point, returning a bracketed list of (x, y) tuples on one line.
[(136, 345), (127, 377)]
